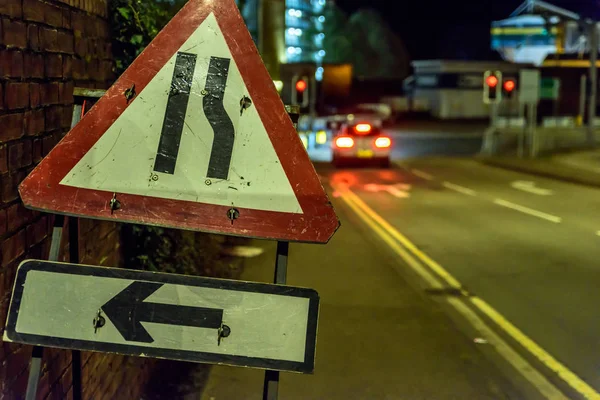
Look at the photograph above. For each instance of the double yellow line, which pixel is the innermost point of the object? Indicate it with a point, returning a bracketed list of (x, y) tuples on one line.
[(437, 277)]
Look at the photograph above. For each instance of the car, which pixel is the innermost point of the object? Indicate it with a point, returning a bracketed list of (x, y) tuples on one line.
[(361, 143)]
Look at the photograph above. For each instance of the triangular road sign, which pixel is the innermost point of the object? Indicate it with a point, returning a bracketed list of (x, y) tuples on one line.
[(193, 136)]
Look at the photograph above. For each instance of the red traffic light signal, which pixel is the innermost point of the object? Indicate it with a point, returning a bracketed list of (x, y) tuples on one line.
[(301, 86), (492, 87), (492, 81), (509, 85)]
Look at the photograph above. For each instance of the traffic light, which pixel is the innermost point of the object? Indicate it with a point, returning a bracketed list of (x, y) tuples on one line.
[(509, 86), (492, 88), (300, 91)]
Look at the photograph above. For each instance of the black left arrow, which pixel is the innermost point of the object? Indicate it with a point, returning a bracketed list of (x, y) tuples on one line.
[(127, 310)]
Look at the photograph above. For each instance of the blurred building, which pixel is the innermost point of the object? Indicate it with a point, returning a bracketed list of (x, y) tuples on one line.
[(286, 31), (537, 30)]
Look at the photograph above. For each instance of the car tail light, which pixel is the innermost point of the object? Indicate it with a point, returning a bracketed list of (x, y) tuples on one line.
[(344, 142), (363, 128), (383, 142)]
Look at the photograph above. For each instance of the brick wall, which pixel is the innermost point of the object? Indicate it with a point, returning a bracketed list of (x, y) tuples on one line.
[(47, 47)]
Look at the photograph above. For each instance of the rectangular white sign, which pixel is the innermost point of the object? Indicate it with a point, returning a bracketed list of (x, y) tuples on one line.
[(167, 316), (529, 91)]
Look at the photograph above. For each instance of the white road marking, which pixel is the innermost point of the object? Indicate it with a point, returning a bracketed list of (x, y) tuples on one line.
[(397, 192), (459, 189), (530, 211), (528, 186), (422, 174)]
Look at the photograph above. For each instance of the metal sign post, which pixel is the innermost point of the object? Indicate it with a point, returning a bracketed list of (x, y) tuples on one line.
[(529, 95), (84, 99), (271, 384)]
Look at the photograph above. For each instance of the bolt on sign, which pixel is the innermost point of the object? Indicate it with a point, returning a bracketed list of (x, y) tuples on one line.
[(192, 136)]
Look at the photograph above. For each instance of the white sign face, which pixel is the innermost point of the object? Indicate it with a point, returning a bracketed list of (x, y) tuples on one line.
[(205, 112), (529, 90), (164, 316)]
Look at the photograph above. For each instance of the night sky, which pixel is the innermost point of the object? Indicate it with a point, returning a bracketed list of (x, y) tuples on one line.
[(453, 29)]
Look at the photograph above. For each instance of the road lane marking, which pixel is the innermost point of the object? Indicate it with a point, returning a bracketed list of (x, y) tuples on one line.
[(394, 238), (422, 174), (527, 210), (399, 190), (529, 187), (459, 189)]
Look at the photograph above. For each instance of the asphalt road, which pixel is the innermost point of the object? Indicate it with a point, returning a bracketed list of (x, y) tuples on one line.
[(527, 245), (380, 336), (516, 251)]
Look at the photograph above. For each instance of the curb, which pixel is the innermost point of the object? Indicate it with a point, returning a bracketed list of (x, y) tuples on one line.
[(565, 174)]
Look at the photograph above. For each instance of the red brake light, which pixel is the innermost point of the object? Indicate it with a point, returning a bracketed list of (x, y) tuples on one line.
[(363, 128), (492, 81), (344, 142), (383, 142)]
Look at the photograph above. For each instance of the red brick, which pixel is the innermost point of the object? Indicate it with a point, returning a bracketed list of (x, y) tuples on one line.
[(33, 37), (66, 93), (48, 144), (81, 46), (78, 21), (37, 231), (67, 67), (33, 10), (66, 19), (53, 15), (9, 184), (16, 95), (35, 122), (3, 159), (19, 155), (12, 127), (49, 93), (15, 33), (12, 248), (49, 39), (11, 63), (34, 65), (53, 117), (80, 70), (18, 216), (3, 221), (54, 65), (34, 95), (40, 251), (37, 150), (67, 117), (107, 70), (65, 42), (12, 8)]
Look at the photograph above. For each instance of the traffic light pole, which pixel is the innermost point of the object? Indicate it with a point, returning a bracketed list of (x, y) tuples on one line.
[(593, 39)]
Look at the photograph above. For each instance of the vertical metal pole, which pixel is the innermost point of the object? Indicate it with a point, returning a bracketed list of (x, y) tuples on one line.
[(38, 352), (75, 354), (271, 383), (521, 137), (494, 132), (593, 40), (582, 97)]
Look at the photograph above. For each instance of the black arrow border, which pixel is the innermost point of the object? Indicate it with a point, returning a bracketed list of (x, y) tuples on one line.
[(26, 266)]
